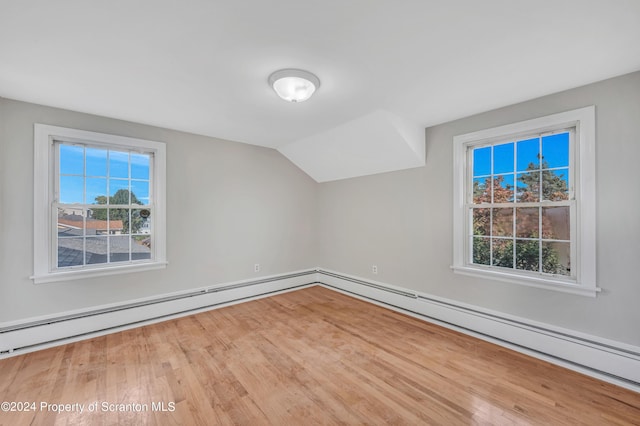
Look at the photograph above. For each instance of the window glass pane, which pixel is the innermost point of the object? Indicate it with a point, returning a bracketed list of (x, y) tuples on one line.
[(528, 155), (140, 166), (503, 252), (502, 222), (528, 187), (527, 255), (118, 191), (119, 248), (70, 252), (96, 250), (139, 192), (503, 158), (555, 150), (71, 189), (71, 160), (555, 185), (140, 221), (482, 161), (503, 189), (96, 162), (481, 190), (556, 258), (118, 221), (70, 222), (118, 164), (96, 191), (555, 223), (97, 222), (140, 247), (481, 221), (527, 222), (481, 251)]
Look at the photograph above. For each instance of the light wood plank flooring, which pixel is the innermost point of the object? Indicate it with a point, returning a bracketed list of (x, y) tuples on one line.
[(307, 357)]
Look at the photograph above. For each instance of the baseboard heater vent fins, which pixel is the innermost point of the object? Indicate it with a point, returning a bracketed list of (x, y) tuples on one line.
[(369, 284)]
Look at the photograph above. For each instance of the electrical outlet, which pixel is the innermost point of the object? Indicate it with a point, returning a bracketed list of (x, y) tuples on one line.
[(256, 267), (374, 269)]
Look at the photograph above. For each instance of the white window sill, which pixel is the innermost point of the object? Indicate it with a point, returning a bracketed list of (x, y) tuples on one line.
[(76, 274), (545, 282)]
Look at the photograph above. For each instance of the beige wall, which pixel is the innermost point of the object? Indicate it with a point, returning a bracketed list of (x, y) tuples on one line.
[(229, 206), (402, 221)]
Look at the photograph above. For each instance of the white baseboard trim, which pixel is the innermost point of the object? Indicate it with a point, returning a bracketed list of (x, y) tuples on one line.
[(33, 334), (607, 360)]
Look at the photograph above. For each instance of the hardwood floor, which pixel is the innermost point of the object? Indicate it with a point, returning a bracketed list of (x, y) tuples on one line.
[(312, 356)]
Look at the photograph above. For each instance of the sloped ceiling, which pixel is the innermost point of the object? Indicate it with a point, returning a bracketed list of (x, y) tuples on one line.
[(202, 66), (375, 143)]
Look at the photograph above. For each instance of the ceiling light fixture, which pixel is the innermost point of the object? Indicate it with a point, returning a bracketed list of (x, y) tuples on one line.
[(294, 85)]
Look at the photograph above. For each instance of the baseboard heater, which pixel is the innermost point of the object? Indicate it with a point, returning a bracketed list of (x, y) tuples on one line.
[(611, 361), (384, 288), (32, 335)]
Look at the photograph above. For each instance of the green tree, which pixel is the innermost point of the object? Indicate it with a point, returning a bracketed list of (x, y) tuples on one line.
[(527, 253), (554, 187), (120, 197)]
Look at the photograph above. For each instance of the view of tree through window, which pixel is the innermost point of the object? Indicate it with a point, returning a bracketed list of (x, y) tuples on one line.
[(520, 207), (104, 208)]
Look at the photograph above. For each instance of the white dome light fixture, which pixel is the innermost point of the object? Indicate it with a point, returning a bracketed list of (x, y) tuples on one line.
[(294, 85)]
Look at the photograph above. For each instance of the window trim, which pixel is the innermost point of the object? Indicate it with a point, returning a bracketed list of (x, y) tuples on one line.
[(583, 120), (44, 187)]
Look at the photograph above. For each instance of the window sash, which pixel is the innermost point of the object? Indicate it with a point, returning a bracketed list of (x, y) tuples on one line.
[(55, 237), (468, 181)]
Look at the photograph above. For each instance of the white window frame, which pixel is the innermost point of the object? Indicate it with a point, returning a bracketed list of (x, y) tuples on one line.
[(44, 265), (583, 187)]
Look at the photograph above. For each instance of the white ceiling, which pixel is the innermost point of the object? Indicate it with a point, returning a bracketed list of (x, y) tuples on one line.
[(202, 65)]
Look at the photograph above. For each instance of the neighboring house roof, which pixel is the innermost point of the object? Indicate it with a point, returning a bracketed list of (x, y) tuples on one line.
[(71, 250), (75, 221)]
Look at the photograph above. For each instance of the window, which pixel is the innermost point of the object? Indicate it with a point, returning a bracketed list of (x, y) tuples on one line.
[(524, 202), (99, 204)]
